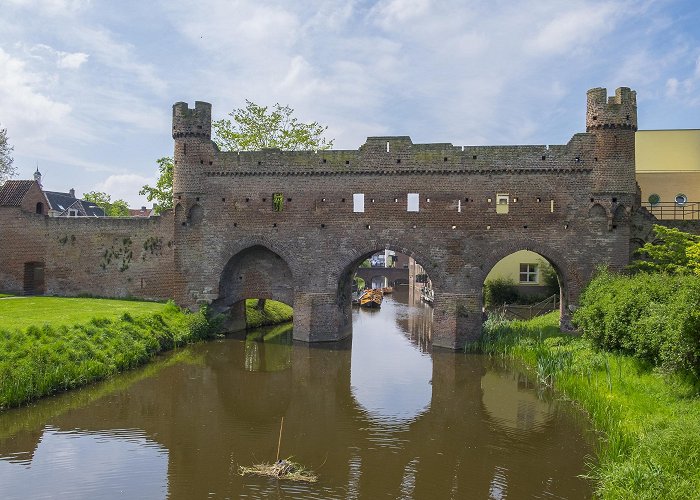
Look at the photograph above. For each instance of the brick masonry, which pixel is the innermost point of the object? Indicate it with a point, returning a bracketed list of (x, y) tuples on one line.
[(225, 240)]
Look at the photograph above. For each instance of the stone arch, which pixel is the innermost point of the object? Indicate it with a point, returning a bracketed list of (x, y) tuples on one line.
[(255, 272), (179, 213), (570, 279), (597, 211), (195, 214), (619, 215)]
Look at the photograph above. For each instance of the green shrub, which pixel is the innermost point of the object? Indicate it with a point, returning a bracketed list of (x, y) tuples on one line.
[(500, 291), (654, 317)]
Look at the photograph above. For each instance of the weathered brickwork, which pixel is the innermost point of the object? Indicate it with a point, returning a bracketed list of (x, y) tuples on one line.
[(570, 203), (282, 225), (99, 256)]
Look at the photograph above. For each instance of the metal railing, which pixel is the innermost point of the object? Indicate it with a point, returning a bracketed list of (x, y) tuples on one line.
[(673, 211), (522, 311)]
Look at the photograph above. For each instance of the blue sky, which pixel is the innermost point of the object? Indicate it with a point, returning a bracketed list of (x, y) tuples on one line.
[(87, 86)]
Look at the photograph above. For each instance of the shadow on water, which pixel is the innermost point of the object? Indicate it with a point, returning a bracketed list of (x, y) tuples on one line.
[(377, 415)]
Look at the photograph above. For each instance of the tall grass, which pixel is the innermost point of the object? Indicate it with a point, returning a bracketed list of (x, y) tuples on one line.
[(42, 360), (649, 421)]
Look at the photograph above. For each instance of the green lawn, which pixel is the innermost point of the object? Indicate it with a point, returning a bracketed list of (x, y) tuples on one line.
[(3, 295), (23, 312)]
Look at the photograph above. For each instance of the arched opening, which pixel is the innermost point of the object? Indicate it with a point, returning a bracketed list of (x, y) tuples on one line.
[(398, 321), (256, 289), (39, 208), (522, 285), (33, 278)]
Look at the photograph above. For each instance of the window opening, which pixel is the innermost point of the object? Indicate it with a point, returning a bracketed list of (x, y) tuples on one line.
[(502, 200), (277, 202), (529, 273), (358, 202), (413, 203)]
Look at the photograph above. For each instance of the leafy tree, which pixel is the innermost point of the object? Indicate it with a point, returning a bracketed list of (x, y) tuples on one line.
[(162, 193), (7, 169), (675, 254), (254, 128), (117, 208)]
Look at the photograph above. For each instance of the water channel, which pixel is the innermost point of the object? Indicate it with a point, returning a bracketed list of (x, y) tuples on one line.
[(377, 416)]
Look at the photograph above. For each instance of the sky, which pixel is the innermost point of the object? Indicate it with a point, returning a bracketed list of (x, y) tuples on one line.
[(87, 86)]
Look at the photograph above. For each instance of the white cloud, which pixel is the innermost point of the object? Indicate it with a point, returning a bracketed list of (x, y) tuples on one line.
[(71, 60), (126, 187)]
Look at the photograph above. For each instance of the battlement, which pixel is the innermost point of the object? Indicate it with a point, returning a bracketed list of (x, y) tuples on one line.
[(614, 112), (189, 122)]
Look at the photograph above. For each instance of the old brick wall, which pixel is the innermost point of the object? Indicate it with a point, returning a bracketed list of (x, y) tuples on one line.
[(108, 257), (558, 207)]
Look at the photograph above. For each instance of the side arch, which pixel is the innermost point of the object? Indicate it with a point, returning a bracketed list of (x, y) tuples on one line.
[(255, 272)]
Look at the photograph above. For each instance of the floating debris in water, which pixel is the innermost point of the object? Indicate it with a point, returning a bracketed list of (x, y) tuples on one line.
[(282, 469)]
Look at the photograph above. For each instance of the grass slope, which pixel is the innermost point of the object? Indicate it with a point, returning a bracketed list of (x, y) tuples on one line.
[(650, 422), (71, 349), (273, 314)]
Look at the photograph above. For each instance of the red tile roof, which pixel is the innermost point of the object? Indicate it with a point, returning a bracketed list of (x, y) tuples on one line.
[(12, 192)]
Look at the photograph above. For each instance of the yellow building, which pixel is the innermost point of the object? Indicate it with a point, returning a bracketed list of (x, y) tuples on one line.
[(668, 164)]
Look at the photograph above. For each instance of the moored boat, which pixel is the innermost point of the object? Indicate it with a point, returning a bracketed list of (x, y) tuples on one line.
[(371, 298), (387, 289)]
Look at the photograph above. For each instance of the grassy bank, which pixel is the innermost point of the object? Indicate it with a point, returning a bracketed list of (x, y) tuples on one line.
[(74, 343), (273, 314), (649, 421)]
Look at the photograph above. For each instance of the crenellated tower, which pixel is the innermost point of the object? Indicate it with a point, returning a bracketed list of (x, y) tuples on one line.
[(193, 147), (613, 122)]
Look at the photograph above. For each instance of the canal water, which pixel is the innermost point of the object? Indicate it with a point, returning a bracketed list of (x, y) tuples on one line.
[(377, 416)]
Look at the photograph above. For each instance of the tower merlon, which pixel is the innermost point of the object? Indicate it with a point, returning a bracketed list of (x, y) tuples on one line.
[(188, 122), (615, 112)]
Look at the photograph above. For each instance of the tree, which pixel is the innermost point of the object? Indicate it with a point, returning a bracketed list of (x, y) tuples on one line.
[(7, 169), (117, 208), (675, 253), (254, 128), (162, 193)]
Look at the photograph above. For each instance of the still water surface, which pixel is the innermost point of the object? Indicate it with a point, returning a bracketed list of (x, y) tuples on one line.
[(378, 416)]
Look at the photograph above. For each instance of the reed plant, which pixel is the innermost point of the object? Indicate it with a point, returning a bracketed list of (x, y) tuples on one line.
[(648, 419), (36, 361)]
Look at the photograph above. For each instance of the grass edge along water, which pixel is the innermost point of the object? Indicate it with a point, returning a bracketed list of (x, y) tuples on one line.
[(648, 421), (38, 361)]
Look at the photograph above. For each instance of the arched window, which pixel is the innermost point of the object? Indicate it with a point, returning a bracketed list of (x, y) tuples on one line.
[(40, 208)]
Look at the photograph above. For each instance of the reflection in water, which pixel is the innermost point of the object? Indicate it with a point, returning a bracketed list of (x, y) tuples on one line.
[(96, 458), (390, 378), (269, 350), (375, 416)]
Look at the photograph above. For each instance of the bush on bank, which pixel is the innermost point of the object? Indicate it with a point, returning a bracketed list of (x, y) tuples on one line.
[(38, 361), (649, 421), (654, 317)]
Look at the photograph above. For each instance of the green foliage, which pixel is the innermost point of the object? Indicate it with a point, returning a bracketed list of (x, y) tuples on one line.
[(162, 193), (359, 282), (38, 360), (254, 128), (675, 254), (549, 279), (117, 208), (500, 291), (365, 263), (273, 313), (7, 169), (278, 202), (649, 422), (654, 317)]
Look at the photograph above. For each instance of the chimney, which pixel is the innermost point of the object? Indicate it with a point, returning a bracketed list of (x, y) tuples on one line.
[(72, 192)]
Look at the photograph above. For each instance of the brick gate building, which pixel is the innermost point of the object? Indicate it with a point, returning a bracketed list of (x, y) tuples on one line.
[(294, 226)]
